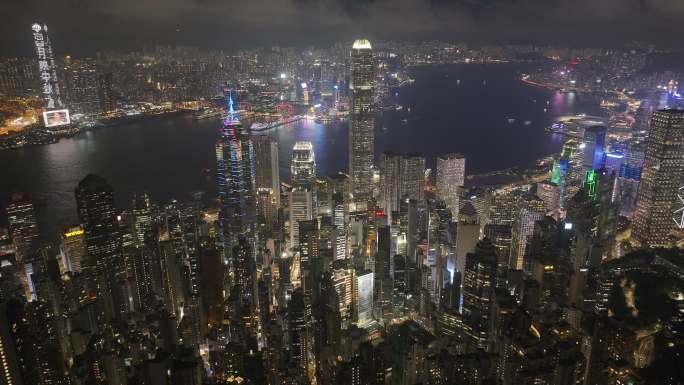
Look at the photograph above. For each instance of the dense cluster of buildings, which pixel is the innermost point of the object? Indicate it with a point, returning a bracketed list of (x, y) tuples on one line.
[(374, 276)]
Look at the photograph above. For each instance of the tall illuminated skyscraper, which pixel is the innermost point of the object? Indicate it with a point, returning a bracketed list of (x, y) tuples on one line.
[(567, 171), (302, 202), (361, 122), (303, 167), (594, 147), (450, 178), (96, 212), (660, 179), (235, 174), (266, 170), (478, 290), (529, 210), (22, 225), (402, 176), (46, 67)]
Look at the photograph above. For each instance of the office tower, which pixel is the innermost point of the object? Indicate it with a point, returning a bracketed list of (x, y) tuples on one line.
[(549, 192), (343, 282), (629, 177), (309, 238), (363, 297), (614, 161), (500, 235), (402, 176), (568, 170), (390, 171), (467, 236), (302, 204), (73, 250), (529, 210), (266, 166), (267, 207), (478, 289), (361, 122), (245, 275), (412, 180), (47, 68), (34, 333), (22, 226), (303, 166), (450, 178), (593, 146), (10, 373), (141, 211), (235, 173), (502, 209), (297, 327), (82, 86), (660, 179), (95, 204), (105, 92)]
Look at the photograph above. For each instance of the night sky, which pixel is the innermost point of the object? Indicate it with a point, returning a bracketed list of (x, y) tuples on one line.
[(82, 27)]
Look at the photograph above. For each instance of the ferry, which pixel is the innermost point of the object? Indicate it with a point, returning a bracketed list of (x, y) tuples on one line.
[(258, 126), (208, 113)]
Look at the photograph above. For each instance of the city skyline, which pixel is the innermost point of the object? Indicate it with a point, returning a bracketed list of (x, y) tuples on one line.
[(371, 213), (322, 22)]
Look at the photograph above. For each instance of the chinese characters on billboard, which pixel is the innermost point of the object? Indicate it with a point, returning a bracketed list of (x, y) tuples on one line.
[(46, 67)]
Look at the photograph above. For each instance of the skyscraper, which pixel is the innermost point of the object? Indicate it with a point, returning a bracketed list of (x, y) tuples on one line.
[(593, 144), (363, 297), (73, 250), (95, 204), (266, 170), (529, 210), (390, 169), (22, 225), (660, 179), (450, 177), (549, 192), (235, 173), (478, 289), (412, 181), (46, 67), (361, 122), (82, 86), (302, 205), (402, 177), (303, 167)]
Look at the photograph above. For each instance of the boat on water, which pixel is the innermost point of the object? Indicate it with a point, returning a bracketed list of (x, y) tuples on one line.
[(208, 113), (259, 126)]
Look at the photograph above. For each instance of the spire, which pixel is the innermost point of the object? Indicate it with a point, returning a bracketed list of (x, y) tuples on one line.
[(231, 110), (231, 119)]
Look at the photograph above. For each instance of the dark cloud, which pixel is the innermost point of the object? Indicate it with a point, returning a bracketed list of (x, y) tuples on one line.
[(85, 26)]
